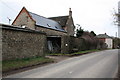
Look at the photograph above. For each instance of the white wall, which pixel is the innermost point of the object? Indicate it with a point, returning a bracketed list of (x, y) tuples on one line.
[(109, 42)]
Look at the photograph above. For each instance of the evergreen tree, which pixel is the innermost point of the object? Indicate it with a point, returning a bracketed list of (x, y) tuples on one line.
[(93, 33), (79, 32)]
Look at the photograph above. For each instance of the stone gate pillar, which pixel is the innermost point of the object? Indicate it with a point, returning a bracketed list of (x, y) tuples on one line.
[(65, 44)]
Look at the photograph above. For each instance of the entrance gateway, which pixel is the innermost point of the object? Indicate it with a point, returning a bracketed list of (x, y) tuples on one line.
[(54, 44)]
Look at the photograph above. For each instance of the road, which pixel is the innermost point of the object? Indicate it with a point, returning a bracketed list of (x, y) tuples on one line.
[(103, 64)]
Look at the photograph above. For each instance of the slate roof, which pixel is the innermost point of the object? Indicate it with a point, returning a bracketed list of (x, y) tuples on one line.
[(103, 36), (62, 20), (45, 22)]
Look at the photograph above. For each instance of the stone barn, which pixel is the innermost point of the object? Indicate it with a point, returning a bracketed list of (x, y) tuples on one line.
[(56, 28)]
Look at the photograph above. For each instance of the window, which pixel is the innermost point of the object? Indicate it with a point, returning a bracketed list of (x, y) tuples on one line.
[(48, 25), (56, 27)]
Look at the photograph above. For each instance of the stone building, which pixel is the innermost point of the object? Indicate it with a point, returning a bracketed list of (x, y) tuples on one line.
[(56, 28), (106, 39)]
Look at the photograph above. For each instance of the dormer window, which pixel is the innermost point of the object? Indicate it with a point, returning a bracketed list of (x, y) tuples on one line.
[(23, 26), (48, 25), (56, 27)]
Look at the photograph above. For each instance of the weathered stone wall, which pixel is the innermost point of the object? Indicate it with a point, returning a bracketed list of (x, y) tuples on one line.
[(65, 44), (22, 43), (51, 32)]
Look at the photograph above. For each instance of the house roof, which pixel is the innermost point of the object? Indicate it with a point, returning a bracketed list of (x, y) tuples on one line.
[(62, 20), (103, 36), (45, 22)]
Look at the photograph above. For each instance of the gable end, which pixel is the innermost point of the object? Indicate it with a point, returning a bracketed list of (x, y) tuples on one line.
[(23, 10)]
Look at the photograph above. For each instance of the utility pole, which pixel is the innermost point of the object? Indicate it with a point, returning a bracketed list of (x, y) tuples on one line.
[(119, 19), (116, 34)]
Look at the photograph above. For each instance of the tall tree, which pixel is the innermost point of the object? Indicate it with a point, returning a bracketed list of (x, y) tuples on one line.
[(80, 32), (93, 33)]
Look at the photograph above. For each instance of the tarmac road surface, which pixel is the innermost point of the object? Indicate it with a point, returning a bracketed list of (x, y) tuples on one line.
[(103, 64)]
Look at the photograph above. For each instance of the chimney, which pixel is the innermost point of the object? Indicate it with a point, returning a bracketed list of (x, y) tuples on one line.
[(70, 12)]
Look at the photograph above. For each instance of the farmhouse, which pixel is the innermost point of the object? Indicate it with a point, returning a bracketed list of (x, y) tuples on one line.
[(54, 27)]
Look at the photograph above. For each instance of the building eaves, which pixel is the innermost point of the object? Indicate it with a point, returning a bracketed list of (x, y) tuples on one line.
[(15, 28), (45, 22)]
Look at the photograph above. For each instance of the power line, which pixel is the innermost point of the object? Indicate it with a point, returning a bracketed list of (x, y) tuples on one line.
[(13, 11), (7, 6)]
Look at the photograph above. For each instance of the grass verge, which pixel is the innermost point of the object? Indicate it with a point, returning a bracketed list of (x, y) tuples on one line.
[(73, 54), (22, 63)]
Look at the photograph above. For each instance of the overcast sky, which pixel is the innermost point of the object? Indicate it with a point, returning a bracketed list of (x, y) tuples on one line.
[(92, 15)]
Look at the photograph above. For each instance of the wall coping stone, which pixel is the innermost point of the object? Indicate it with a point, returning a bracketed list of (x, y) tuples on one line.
[(11, 27)]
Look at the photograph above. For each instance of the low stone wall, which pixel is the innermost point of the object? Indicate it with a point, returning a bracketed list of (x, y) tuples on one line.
[(22, 43), (65, 44)]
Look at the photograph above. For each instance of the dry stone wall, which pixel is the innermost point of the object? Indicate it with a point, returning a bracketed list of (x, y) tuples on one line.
[(22, 43)]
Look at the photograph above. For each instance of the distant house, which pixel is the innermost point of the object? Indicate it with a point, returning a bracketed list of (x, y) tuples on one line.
[(54, 27), (107, 39)]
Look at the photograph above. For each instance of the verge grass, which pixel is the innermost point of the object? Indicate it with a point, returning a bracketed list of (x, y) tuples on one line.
[(73, 54), (22, 63)]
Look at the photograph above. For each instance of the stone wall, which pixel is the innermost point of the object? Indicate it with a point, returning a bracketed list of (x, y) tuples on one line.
[(22, 43), (51, 32), (65, 44)]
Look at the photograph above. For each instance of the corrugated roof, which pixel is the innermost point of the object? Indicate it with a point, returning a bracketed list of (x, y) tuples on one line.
[(103, 36), (45, 22), (62, 20)]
